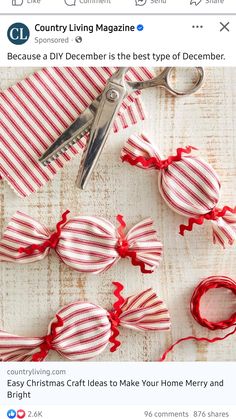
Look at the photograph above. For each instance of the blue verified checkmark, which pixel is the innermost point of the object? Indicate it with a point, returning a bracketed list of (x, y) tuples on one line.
[(140, 28)]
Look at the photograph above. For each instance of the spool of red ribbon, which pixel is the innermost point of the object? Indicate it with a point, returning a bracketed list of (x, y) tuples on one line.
[(205, 286)]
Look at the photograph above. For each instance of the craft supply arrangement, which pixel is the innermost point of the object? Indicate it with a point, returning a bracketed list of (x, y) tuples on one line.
[(142, 234)]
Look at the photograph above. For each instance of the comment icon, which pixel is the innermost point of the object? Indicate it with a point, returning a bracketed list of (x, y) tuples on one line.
[(70, 2)]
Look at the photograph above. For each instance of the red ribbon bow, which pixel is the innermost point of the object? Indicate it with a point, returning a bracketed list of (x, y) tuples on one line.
[(51, 242), (214, 215), (123, 247), (47, 344), (155, 162), (114, 316)]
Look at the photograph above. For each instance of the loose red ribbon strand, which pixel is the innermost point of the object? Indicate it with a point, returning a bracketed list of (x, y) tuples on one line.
[(206, 285), (51, 242), (213, 215), (114, 316), (47, 344), (155, 162), (123, 247)]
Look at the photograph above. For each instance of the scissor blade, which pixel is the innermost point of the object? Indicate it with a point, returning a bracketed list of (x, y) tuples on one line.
[(76, 131), (102, 124)]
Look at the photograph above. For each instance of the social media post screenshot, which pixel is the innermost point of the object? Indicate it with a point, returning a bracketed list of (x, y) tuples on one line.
[(118, 209)]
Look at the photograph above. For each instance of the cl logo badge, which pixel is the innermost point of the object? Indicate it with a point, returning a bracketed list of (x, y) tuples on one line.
[(18, 33)]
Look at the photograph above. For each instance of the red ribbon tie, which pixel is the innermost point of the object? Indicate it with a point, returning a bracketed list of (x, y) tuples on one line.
[(47, 344), (123, 247), (155, 162), (114, 316), (49, 243), (213, 215)]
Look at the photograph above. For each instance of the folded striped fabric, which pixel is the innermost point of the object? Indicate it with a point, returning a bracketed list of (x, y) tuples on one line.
[(188, 184), (80, 331), (85, 243), (37, 110)]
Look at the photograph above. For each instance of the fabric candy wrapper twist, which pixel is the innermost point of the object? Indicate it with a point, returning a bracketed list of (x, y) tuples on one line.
[(85, 243), (37, 110), (188, 185), (210, 283), (81, 330)]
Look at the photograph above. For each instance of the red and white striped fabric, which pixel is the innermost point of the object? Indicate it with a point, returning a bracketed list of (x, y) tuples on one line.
[(85, 243), (188, 184), (81, 331), (35, 112)]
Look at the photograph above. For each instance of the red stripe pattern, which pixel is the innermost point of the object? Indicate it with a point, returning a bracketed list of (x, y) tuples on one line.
[(85, 243), (81, 331), (35, 111), (188, 184)]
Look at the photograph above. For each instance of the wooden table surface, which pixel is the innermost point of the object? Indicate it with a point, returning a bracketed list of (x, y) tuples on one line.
[(31, 294)]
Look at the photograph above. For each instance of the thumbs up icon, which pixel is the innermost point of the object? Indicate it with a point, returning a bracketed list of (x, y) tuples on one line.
[(17, 2), (11, 414)]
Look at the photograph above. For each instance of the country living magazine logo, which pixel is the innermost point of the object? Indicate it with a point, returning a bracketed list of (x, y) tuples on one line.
[(18, 33)]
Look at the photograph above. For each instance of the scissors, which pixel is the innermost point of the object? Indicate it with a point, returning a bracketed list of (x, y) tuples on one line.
[(99, 117)]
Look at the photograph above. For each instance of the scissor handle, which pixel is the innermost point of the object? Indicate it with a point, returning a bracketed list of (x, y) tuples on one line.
[(164, 80)]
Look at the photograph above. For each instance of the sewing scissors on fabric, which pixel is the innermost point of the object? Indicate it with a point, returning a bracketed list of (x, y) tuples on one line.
[(99, 117)]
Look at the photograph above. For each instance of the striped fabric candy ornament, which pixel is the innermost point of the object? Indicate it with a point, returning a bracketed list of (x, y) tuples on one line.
[(38, 109), (81, 331), (188, 184), (85, 243)]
